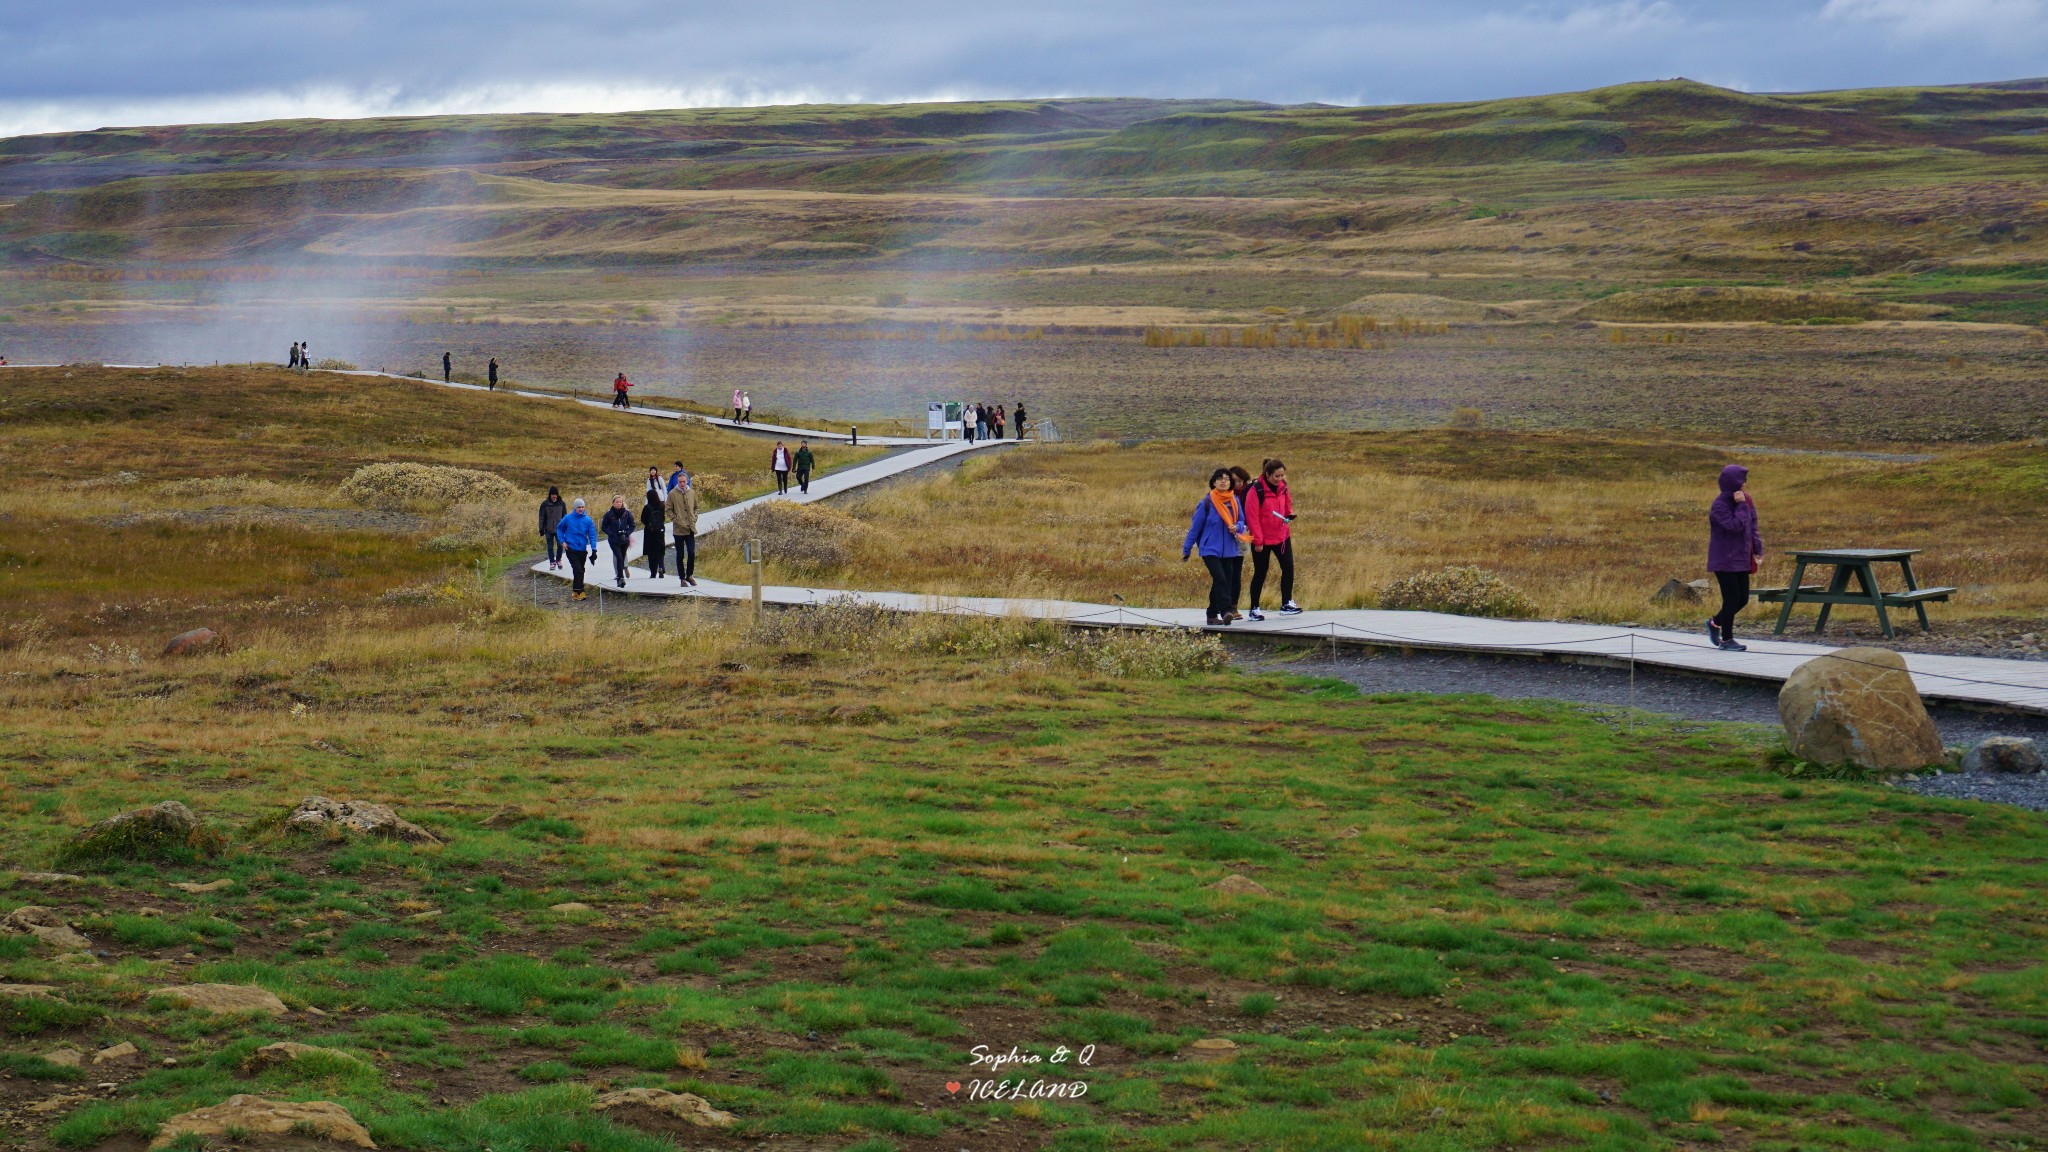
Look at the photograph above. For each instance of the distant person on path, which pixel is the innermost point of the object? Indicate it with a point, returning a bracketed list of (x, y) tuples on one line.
[(305, 355), (779, 462), (746, 407), (447, 368), (653, 539), (618, 532), (551, 512), (999, 422), (493, 370), (980, 422), (619, 387), (1215, 530), (804, 463), (1735, 550), (1240, 484), (1019, 420), (1269, 514), (682, 519), (738, 404), (295, 355), (579, 537)]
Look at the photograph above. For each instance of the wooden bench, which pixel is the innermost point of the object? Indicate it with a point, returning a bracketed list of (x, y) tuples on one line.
[(1774, 595)]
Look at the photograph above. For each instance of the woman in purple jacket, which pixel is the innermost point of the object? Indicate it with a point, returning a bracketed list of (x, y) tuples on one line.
[(1734, 550)]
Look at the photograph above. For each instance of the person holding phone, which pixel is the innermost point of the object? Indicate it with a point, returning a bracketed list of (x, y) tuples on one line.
[(1269, 513), (1735, 550)]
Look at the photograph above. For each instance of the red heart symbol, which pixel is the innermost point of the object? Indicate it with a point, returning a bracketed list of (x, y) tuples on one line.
[(952, 1085)]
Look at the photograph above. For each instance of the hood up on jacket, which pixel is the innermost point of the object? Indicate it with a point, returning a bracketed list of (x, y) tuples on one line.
[(1733, 477)]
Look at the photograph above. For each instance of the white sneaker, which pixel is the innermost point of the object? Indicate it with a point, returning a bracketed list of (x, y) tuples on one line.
[(1290, 609), (1255, 614)]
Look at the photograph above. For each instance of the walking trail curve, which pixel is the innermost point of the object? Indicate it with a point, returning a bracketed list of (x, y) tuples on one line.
[(1970, 680)]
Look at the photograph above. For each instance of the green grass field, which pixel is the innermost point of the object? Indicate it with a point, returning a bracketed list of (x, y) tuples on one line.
[(826, 860)]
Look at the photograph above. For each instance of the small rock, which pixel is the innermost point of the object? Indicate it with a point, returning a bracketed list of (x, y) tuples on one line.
[(52, 878), (152, 912), (1676, 591), (287, 1051), (65, 1057), (688, 1107), (1236, 885), (187, 643), (224, 998), (319, 814), (1211, 1048), (1349, 834), (423, 917), (170, 1061), (29, 991), (256, 1116), (569, 906), (2015, 754), (210, 886), (43, 924), (55, 1103), (121, 1051)]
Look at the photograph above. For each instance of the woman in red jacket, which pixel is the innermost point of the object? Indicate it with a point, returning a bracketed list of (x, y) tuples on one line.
[(1269, 513)]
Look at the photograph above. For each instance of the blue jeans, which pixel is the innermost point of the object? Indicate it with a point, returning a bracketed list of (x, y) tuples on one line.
[(554, 548)]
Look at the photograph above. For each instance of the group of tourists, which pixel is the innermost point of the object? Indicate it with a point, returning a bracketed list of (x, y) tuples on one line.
[(1240, 516), (667, 520), (987, 421), (780, 462), (301, 358), (742, 406)]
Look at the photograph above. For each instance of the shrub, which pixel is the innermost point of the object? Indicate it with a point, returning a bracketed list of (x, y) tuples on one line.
[(1467, 418), (423, 487), (804, 538), (166, 831), (1463, 591), (474, 526)]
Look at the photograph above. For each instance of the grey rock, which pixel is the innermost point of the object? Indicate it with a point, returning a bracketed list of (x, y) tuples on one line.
[(2013, 754)]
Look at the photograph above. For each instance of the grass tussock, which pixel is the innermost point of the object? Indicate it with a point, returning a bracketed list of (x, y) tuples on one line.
[(423, 487), (805, 539), (1737, 303), (1464, 591)]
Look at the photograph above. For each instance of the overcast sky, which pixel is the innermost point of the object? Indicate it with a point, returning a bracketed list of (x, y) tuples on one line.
[(68, 64)]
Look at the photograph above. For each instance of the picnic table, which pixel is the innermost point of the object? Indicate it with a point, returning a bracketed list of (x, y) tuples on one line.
[(1858, 564)]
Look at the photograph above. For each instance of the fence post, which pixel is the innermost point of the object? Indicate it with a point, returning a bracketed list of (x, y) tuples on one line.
[(754, 561), (853, 436)]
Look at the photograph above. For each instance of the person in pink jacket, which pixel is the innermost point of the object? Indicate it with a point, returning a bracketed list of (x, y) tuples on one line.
[(1269, 513)]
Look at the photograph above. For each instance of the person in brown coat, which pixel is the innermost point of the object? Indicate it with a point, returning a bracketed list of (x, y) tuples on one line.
[(682, 523)]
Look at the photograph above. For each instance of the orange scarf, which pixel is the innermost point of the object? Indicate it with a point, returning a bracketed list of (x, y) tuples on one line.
[(1226, 506)]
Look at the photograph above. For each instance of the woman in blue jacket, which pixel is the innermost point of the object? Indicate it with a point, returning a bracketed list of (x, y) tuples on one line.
[(1216, 531), (579, 539)]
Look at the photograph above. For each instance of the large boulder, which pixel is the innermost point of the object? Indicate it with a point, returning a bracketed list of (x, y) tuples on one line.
[(1858, 706), (337, 817), (2003, 754), (166, 830), (46, 926), (239, 1117)]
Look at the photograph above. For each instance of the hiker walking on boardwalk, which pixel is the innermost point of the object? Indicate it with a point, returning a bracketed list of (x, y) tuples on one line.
[(447, 368), (804, 463), (579, 537), (980, 422), (1240, 483), (682, 519), (1269, 515), (1018, 421), (295, 355), (1215, 530), (676, 477), (619, 387), (779, 463), (305, 355), (1735, 550), (738, 402), (746, 407), (617, 526), (493, 371), (551, 512), (653, 514), (999, 422)]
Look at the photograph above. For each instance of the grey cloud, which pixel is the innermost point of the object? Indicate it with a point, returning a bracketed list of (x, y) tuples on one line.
[(90, 62)]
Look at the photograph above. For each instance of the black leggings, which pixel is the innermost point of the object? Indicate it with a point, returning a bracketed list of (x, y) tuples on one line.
[(619, 557), (782, 483), (1223, 573), (656, 551), (1734, 598), (1262, 558), (576, 559)]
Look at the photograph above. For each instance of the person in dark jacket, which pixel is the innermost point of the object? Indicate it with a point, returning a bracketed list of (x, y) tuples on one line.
[(551, 512), (619, 387), (493, 370), (1240, 483), (1017, 419), (804, 463), (1215, 530), (1735, 549), (447, 368), (617, 527), (1269, 513), (579, 538), (653, 539)]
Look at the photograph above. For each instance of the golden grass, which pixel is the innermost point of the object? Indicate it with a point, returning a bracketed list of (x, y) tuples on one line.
[(1588, 527)]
